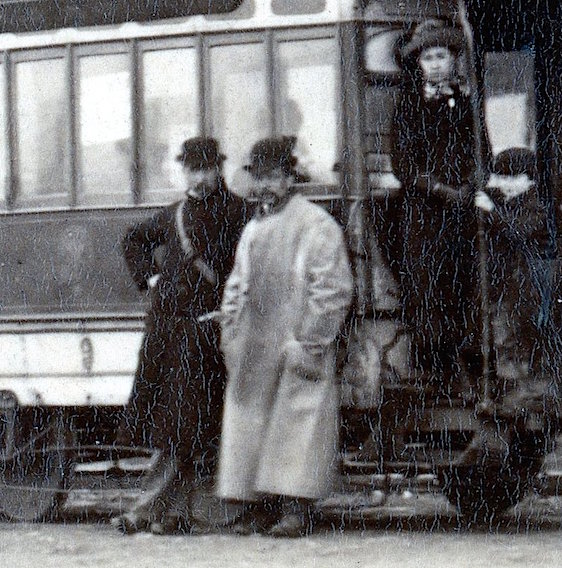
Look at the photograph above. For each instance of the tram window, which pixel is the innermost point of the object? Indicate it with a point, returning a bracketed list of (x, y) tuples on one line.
[(105, 126), (288, 7), (509, 101), (171, 115), (246, 9), (307, 78), (379, 52), (41, 116), (239, 112), (3, 143)]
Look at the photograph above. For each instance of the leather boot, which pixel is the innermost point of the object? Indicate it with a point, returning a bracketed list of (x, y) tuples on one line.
[(295, 519)]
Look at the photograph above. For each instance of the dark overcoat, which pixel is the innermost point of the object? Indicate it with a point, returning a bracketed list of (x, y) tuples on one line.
[(517, 237), (433, 157), (177, 397)]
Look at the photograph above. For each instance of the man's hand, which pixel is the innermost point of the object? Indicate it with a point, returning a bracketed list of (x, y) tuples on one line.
[(304, 361), (482, 201), (153, 280)]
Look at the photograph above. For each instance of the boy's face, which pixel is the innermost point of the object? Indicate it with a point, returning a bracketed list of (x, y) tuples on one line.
[(437, 64), (511, 186)]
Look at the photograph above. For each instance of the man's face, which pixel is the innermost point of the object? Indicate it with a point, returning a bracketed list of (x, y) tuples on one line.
[(511, 186), (272, 185), (437, 64), (201, 183)]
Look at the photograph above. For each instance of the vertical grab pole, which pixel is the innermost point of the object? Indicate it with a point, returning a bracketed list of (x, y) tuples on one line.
[(485, 404)]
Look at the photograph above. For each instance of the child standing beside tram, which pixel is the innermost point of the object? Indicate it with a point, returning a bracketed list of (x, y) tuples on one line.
[(518, 246)]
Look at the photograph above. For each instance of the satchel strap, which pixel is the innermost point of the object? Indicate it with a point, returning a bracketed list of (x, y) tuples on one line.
[(187, 246)]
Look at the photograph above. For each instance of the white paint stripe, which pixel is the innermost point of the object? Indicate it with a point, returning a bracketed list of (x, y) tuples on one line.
[(108, 390), (63, 353), (335, 11)]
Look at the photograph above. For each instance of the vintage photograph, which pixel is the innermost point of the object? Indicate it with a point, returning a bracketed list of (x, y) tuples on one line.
[(280, 283)]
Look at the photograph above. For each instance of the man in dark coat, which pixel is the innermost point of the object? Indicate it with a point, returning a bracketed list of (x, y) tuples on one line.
[(433, 157), (176, 404)]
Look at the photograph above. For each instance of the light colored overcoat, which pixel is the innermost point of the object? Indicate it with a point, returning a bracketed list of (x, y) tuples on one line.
[(285, 302)]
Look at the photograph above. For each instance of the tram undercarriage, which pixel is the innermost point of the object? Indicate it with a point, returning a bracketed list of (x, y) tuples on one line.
[(483, 466)]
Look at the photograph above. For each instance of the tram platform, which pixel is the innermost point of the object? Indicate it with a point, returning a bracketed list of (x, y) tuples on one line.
[(109, 487)]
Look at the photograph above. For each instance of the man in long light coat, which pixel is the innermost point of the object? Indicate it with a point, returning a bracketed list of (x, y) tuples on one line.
[(283, 306)]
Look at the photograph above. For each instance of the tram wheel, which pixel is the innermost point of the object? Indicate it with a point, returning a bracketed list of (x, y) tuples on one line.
[(33, 466), (482, 494), (484, 490)]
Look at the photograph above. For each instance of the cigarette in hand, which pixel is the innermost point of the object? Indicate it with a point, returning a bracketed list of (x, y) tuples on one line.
[(217, 315)]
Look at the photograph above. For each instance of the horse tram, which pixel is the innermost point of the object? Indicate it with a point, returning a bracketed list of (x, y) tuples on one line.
[(95, 101)]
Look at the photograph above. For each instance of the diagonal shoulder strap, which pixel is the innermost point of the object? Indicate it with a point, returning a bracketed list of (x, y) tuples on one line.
[(185, 241), (204, 269)]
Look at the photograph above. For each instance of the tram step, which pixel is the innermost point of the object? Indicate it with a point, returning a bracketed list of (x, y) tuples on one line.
[(392, 482)]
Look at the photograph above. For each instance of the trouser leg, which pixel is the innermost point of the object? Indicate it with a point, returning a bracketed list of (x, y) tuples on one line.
[(137, 426), (186, 407), (152, 504)]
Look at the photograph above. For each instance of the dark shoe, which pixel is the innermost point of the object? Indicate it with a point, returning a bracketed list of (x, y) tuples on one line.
[(164, 528), (129, 523), (243, 527), (170, 524), (200, 530), (159, 529), (258, 523), (289, 526)]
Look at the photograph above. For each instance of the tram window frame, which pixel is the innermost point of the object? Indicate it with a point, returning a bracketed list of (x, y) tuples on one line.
[(288, 36), (374, 31), (128, 49), (73, 196), (382, 180), (297, 7), (4, 133), (498, 85), (14, 195), (271, 39), (210, 42), (157, 194)]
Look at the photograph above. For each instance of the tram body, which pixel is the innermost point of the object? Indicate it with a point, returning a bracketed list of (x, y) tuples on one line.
[(85, 158), (94, 153)]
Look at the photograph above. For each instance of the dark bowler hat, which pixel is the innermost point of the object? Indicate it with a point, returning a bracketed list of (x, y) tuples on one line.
[(514, 162), (433, 33), (200, 153), (273, 153)]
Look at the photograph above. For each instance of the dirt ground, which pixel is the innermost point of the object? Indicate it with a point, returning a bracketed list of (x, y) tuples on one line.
[(410, 529), (408, 532), (97, 545)]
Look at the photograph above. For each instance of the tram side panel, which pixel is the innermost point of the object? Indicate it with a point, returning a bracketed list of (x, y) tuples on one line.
[(71, 319)]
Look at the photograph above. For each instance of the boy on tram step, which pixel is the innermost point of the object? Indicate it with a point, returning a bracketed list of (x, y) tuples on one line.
[(176, 405), (526, 343), (433, 149), (519, 248), (283, 306)]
